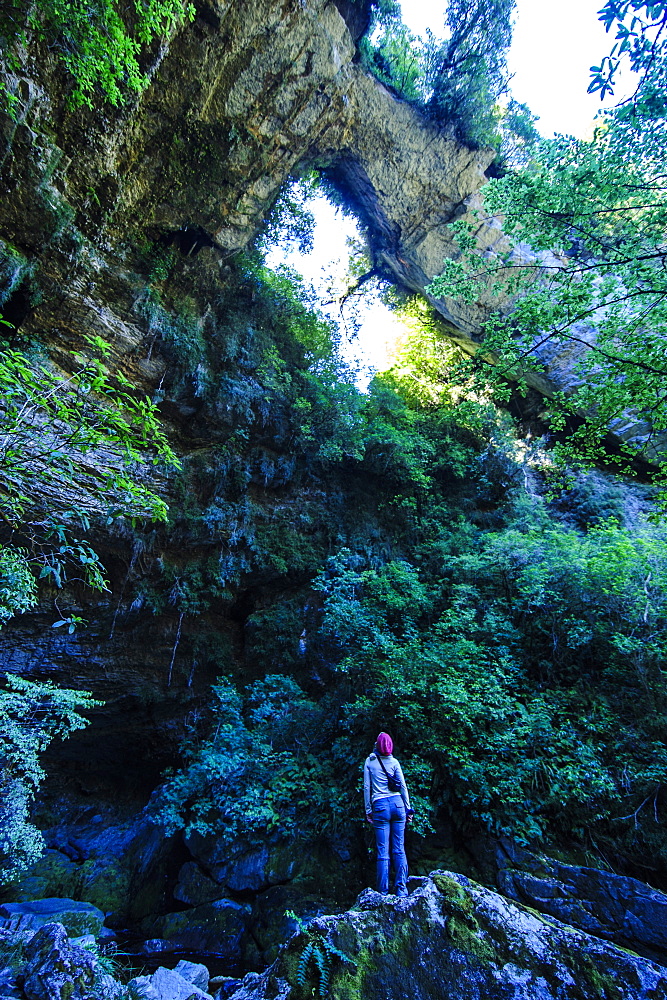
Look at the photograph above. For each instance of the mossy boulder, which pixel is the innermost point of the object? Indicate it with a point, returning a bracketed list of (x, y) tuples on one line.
[(451, 938), (57, 969), (244, 866), (110, 864), (216, 928), (53, 874), (610, 906), (76, 917), (195, 887)]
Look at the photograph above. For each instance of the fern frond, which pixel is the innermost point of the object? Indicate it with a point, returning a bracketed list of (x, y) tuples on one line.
[(302, 968), (333, 950), (323, 962), (301, 924)]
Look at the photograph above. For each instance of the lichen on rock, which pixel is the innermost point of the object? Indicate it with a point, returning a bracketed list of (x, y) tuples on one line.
[(452, 937)]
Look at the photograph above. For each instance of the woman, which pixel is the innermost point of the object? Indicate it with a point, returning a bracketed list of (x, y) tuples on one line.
[(388, 810)]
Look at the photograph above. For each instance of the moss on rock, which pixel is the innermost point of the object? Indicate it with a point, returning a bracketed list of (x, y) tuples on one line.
[(452, 937)]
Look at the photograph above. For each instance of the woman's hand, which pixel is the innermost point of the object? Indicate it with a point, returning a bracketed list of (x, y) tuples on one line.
[(369, 817)]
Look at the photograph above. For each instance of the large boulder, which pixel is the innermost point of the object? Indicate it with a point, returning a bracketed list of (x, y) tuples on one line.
[(53, 874), (216, 928), (610, 906), (76, 917), (166, 984), (194, 972), (195, 887), (113, 863), (451, 938), (56, 969), (244, 866)]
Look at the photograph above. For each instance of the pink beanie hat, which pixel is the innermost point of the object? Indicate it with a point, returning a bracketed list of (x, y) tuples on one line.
[(385, 744)]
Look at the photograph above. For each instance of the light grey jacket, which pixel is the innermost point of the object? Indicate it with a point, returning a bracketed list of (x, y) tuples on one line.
[(375, 781)]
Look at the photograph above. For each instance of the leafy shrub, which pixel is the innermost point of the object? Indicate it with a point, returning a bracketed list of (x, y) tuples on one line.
[(31, 716), (18, 589), (99, 44), (256, 774), (456, 80), (52, 423)]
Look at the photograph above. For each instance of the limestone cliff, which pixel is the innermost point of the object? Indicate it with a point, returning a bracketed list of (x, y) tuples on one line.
[(240, 100)]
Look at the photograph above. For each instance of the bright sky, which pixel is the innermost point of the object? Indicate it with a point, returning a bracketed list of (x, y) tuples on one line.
[(553, 47)]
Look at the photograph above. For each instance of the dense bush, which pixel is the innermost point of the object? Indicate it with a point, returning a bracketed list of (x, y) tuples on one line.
[(257, 773), (99, 43), (32, 715)]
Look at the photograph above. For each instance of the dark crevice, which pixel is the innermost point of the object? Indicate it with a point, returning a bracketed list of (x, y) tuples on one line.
[(17, 307), (189, 240)]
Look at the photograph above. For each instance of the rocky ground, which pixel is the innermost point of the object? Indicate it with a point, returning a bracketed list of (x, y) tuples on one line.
[(450, 938)]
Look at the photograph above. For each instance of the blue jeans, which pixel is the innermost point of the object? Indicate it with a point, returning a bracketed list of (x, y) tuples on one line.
[(389, 824)]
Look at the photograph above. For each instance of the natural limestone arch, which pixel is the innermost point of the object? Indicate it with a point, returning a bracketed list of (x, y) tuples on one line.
[(240, 100)]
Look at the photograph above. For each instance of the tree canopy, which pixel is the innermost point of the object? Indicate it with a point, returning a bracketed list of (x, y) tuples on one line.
[(585, 259), (456, 79)]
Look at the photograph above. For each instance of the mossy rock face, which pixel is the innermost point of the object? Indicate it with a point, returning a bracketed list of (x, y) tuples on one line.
[(76, 917), (451, 938), (53, 874), (116, 873), (106, 883), (244, 866), (466, 940), (270, 923), (55, 968), (610, 906), (217, 928), (456, 897)]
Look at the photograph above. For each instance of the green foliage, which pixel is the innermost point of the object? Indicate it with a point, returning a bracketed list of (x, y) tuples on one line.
[(437, 580), (178, 329), (319, 952), (18, 589), (396, 58), (52, 424), (458, 80), (519, 137), (271, 636), (593, 213), (290, 221), (520, 663), (51, 421), (257, 773), (297, 321), (486, 674), (32, 715), (639, 42), (99, 44), (468, 71)]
